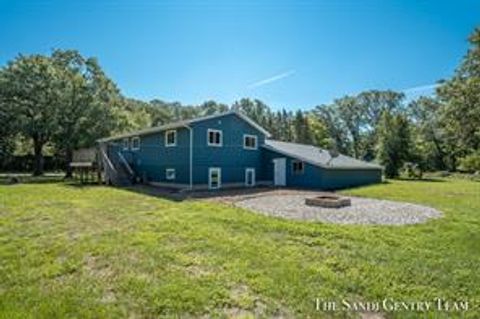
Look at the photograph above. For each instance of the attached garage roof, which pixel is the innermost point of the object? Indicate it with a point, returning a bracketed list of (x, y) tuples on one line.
[(317, 156)]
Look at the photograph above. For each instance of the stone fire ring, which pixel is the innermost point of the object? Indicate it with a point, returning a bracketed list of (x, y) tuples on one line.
[(328, 201), (364, 211)]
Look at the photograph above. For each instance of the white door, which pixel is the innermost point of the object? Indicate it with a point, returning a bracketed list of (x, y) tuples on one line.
[(214, 178), (279, 171), (250, 177)]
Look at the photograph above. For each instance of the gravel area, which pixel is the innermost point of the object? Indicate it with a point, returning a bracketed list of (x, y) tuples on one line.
[(362, 211)]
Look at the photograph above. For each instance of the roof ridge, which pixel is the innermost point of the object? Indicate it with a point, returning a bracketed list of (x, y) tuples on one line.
[(295, 143), (171, 125)]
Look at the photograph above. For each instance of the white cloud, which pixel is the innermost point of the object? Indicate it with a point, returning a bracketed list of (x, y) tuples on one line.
[(271, 79)]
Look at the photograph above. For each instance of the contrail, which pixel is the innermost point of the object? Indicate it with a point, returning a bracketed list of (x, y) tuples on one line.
[(271, 79), (421, 88)]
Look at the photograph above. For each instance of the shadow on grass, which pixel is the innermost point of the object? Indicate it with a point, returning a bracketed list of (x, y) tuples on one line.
[(179, 196), (434, 180), (23, 178)]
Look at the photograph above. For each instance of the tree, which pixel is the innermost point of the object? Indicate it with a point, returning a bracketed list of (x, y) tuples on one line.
[(460, 113), (8, 127), (32, 87), (373, 103), (430, 149), (211, 107), (394, 142), (87, 99), (301, 128), (353, 116), (330, 117), (318, 131)]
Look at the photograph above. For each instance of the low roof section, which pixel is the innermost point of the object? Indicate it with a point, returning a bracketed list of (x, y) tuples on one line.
[(318, 156)]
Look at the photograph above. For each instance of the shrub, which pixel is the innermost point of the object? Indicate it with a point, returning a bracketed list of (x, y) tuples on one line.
[(470, 163), (412, 170)]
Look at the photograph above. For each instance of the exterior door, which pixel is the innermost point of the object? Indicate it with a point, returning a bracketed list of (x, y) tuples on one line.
[(249, 177), (214, 178), (279, 171)]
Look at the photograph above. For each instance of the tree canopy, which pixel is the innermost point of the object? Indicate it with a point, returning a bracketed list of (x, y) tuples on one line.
[(66, 101)]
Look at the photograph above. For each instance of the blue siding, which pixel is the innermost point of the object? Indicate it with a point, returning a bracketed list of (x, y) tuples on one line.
[(153, 157), (231, 157), (320, 178), (342, 178)]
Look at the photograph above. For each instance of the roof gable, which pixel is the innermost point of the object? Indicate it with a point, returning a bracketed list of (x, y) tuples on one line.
[(185, 123)]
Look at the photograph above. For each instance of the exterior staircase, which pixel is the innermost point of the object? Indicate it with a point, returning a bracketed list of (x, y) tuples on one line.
[(116, 169)]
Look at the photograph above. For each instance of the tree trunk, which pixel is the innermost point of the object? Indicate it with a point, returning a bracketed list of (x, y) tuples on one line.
[(38, 164), (68, 160)]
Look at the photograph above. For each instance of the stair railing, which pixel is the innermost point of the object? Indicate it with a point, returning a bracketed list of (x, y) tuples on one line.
[(110, 171), (125, 164)]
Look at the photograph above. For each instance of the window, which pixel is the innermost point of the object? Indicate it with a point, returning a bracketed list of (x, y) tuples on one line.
[(135, 143), (250, 142), (214, 178), (250, 177), (125, 143), (214, 137), (171, 138), (297, 167), (170, 174)]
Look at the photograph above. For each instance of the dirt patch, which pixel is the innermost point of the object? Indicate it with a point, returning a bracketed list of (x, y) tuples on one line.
[(247, 304), (96, 268)]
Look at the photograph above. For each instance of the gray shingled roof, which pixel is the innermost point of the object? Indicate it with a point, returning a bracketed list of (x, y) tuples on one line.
[(184, 123), (317, 156)]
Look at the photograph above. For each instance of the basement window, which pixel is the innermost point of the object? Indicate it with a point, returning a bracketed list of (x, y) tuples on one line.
[(298, 167), (170, 174), (214, 137)]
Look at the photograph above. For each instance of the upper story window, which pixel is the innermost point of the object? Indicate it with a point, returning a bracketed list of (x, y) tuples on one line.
[(135, 143), (171, 138), (214, 137), (125, 143), (250, 142), (298, 167)]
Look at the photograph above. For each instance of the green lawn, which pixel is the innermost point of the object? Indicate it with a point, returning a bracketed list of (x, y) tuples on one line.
[(69, 251)]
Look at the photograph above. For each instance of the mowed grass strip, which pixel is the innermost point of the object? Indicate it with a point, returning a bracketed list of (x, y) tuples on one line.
[(94, 251)]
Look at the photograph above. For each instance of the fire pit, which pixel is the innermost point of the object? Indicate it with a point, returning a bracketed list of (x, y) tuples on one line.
[(328, 201)]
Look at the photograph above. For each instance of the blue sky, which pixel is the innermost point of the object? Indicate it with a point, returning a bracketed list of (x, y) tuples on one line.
[(293, 54)]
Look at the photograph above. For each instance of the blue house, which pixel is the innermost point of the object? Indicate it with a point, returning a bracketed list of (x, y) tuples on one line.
[(225, 150)]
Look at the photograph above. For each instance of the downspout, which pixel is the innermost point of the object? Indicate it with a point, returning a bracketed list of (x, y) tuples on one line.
[(191, 156)]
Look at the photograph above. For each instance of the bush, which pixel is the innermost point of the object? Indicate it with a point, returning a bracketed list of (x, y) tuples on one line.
[(412, 170), (470, 163)]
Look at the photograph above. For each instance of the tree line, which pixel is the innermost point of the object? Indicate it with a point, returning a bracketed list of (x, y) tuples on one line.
[(64, 101)]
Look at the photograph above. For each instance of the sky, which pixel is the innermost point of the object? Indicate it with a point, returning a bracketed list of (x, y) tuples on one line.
[(289, 54)]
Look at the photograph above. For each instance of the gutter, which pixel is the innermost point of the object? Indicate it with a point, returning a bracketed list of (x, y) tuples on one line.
[(191, 156)]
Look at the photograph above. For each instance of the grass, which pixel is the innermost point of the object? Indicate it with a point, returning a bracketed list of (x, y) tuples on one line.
[(101, 252)]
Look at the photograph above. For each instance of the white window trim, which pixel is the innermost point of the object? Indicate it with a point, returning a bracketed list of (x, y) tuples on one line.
[(248, 147), (132, 147), (170, 170), (298, 172), (214, 131), (125, 144), (247, 170), (210, 170), (166, 138)]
